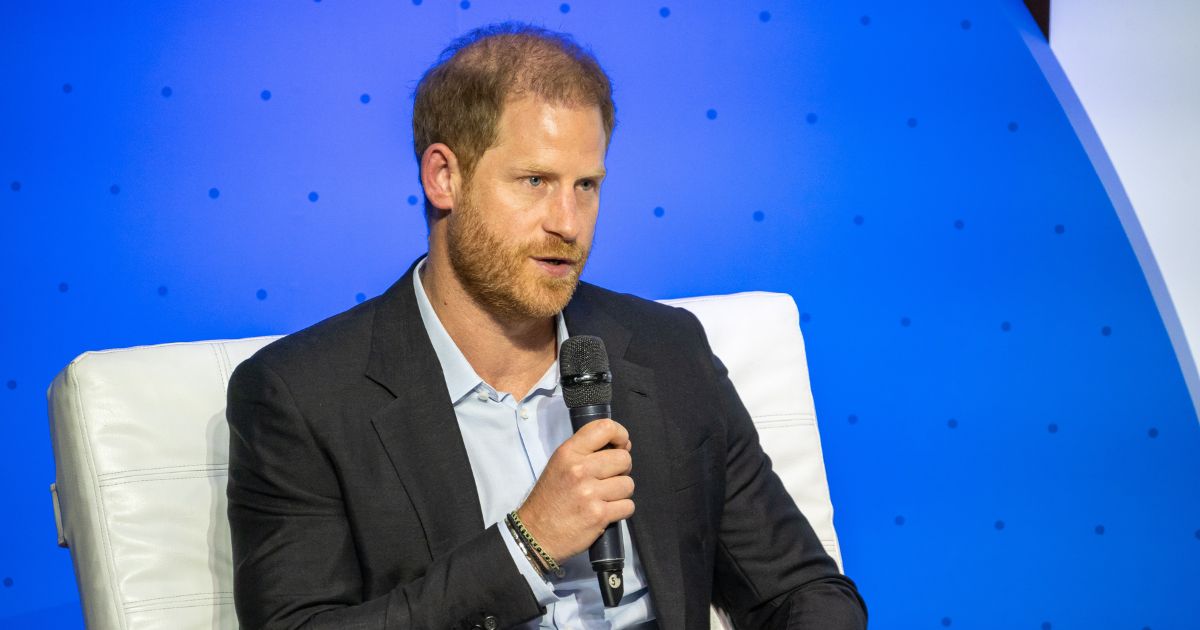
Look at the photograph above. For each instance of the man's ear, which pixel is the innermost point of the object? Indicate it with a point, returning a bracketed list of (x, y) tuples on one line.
[(440, 176)]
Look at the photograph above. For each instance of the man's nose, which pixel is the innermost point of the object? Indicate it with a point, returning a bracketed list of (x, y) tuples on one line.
[(562, 219)]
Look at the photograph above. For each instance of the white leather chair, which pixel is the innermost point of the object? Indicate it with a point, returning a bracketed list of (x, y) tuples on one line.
[(141, 447)]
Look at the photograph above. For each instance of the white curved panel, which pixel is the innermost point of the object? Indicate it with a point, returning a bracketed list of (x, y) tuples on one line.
[(1125, 74)]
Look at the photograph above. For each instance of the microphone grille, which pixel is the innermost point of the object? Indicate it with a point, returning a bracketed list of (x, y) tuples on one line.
[(580, 355)]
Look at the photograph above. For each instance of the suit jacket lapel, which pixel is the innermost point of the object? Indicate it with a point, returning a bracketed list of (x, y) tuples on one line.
[(418, 429), (635, 405), (420, 433)]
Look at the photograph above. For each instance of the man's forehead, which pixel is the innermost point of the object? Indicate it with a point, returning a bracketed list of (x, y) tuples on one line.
[(533, 123), (531, 106)]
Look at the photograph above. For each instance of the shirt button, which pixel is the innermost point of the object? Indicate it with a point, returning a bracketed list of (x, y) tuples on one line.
[(524, 413), (490, 623), (481, 395)]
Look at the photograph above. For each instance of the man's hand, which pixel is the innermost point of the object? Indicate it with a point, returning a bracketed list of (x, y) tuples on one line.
[(584, 487)]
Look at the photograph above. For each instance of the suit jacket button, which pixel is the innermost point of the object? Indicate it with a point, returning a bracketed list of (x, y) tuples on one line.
[(490, 623)]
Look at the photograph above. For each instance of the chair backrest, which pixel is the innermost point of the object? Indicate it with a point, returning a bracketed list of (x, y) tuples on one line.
[(141, 448)]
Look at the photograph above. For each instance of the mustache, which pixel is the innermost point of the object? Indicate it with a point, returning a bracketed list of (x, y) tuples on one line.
[(551, 247)]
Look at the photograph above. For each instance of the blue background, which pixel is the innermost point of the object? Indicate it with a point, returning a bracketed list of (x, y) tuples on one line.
[(1009, 439)]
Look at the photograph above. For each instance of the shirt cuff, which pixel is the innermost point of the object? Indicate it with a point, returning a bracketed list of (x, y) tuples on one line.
[(540, 587)]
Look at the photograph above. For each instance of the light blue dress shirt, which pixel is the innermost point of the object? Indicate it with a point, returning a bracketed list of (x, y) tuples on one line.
[(508, 443)]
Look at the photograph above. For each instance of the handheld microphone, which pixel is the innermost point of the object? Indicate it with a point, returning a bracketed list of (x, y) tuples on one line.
[(587, 389)]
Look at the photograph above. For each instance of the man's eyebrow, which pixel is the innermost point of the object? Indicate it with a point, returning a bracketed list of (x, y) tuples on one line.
[(538, 168)]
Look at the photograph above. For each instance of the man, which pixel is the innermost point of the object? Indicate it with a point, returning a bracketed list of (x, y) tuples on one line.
[(410, 463)]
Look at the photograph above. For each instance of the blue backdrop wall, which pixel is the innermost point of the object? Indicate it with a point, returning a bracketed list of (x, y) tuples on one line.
[(1009, 440)]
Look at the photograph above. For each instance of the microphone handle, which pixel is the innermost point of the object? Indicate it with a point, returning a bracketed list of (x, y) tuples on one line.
[(607, 553)]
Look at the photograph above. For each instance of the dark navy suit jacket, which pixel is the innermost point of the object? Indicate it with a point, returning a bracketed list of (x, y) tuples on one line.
[(352, 503)]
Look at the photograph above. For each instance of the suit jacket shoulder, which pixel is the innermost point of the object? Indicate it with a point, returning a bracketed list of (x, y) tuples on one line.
[(328, 352), (655, 330)]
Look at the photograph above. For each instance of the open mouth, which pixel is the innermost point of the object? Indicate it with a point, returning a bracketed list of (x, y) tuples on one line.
[(557, 267), (549, 260)]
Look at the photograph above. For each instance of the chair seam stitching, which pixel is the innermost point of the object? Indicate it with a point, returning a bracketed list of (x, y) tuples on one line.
[(169, 478), (135, 602)]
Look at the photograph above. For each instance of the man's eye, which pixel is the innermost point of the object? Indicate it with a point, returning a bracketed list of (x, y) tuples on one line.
[(534, 181), (587, 184)]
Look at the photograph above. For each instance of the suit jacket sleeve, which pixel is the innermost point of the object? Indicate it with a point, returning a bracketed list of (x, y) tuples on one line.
[(770, 568), (293, 547)]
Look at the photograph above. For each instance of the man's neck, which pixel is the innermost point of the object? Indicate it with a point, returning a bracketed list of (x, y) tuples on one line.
[(511, 355)]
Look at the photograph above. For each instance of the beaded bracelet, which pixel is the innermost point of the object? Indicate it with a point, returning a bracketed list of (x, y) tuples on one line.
[(547, 560), (533, 561), (525, 543)]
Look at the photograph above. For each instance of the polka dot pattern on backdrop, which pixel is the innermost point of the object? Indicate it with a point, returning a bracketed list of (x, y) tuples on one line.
[(882, 143)]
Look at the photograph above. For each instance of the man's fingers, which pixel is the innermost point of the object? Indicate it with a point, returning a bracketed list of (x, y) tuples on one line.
[(598, 434), (609, 463), (614, 488), (620, 510)]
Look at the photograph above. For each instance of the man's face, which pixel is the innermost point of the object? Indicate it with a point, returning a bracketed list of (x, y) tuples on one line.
[(520, 234)]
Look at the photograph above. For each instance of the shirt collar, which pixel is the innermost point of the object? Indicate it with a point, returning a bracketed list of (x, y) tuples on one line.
[(461, 378)]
